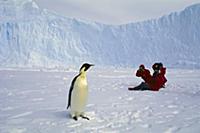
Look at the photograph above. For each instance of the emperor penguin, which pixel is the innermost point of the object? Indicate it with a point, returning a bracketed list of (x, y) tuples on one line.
[(78, 93)]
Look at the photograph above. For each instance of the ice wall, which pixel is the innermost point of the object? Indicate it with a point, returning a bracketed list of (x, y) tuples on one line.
[(34, 37)]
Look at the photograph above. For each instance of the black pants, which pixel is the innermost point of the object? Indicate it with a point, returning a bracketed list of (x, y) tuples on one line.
[(142, 87)]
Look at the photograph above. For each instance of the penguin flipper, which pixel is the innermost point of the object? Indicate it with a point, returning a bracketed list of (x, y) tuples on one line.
[(70, 91), (69, 97)]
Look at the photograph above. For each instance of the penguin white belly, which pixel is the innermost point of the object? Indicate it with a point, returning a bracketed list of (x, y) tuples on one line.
[(79, 96)]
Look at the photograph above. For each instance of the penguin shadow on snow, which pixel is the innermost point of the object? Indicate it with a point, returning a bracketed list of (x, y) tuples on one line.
[(62, 114), (67, 116)]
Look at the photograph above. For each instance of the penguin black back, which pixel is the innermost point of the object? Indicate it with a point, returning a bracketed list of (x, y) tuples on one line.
[(70, 91)]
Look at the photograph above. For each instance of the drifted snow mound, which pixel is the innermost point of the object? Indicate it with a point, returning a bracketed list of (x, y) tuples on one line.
[(33, 37)]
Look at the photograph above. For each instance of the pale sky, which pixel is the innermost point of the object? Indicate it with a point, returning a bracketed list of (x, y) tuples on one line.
[(115, 11)]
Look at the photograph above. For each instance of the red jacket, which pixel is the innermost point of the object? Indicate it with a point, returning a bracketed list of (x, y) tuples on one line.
[(161, 75), (144, 74), (155, 83)]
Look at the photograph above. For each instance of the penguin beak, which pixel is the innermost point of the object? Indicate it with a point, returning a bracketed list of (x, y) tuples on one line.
[(89, 66)]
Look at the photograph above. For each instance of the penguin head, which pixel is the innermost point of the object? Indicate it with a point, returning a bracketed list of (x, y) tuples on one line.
[(85, 67)]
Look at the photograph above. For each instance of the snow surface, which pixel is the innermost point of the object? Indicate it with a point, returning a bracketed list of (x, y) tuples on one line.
[(35, 101), (34, 37)]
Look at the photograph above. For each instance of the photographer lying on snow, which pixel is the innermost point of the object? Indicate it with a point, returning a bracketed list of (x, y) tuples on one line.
[(153, 83)]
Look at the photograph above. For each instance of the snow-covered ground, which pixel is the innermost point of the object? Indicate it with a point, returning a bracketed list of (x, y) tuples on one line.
[(35, 102)]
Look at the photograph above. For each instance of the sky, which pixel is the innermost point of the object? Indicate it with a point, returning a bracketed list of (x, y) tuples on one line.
[(115, 11)]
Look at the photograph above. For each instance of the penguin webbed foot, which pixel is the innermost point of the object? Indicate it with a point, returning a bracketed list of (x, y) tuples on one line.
[(84, 117), (75, 118)]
